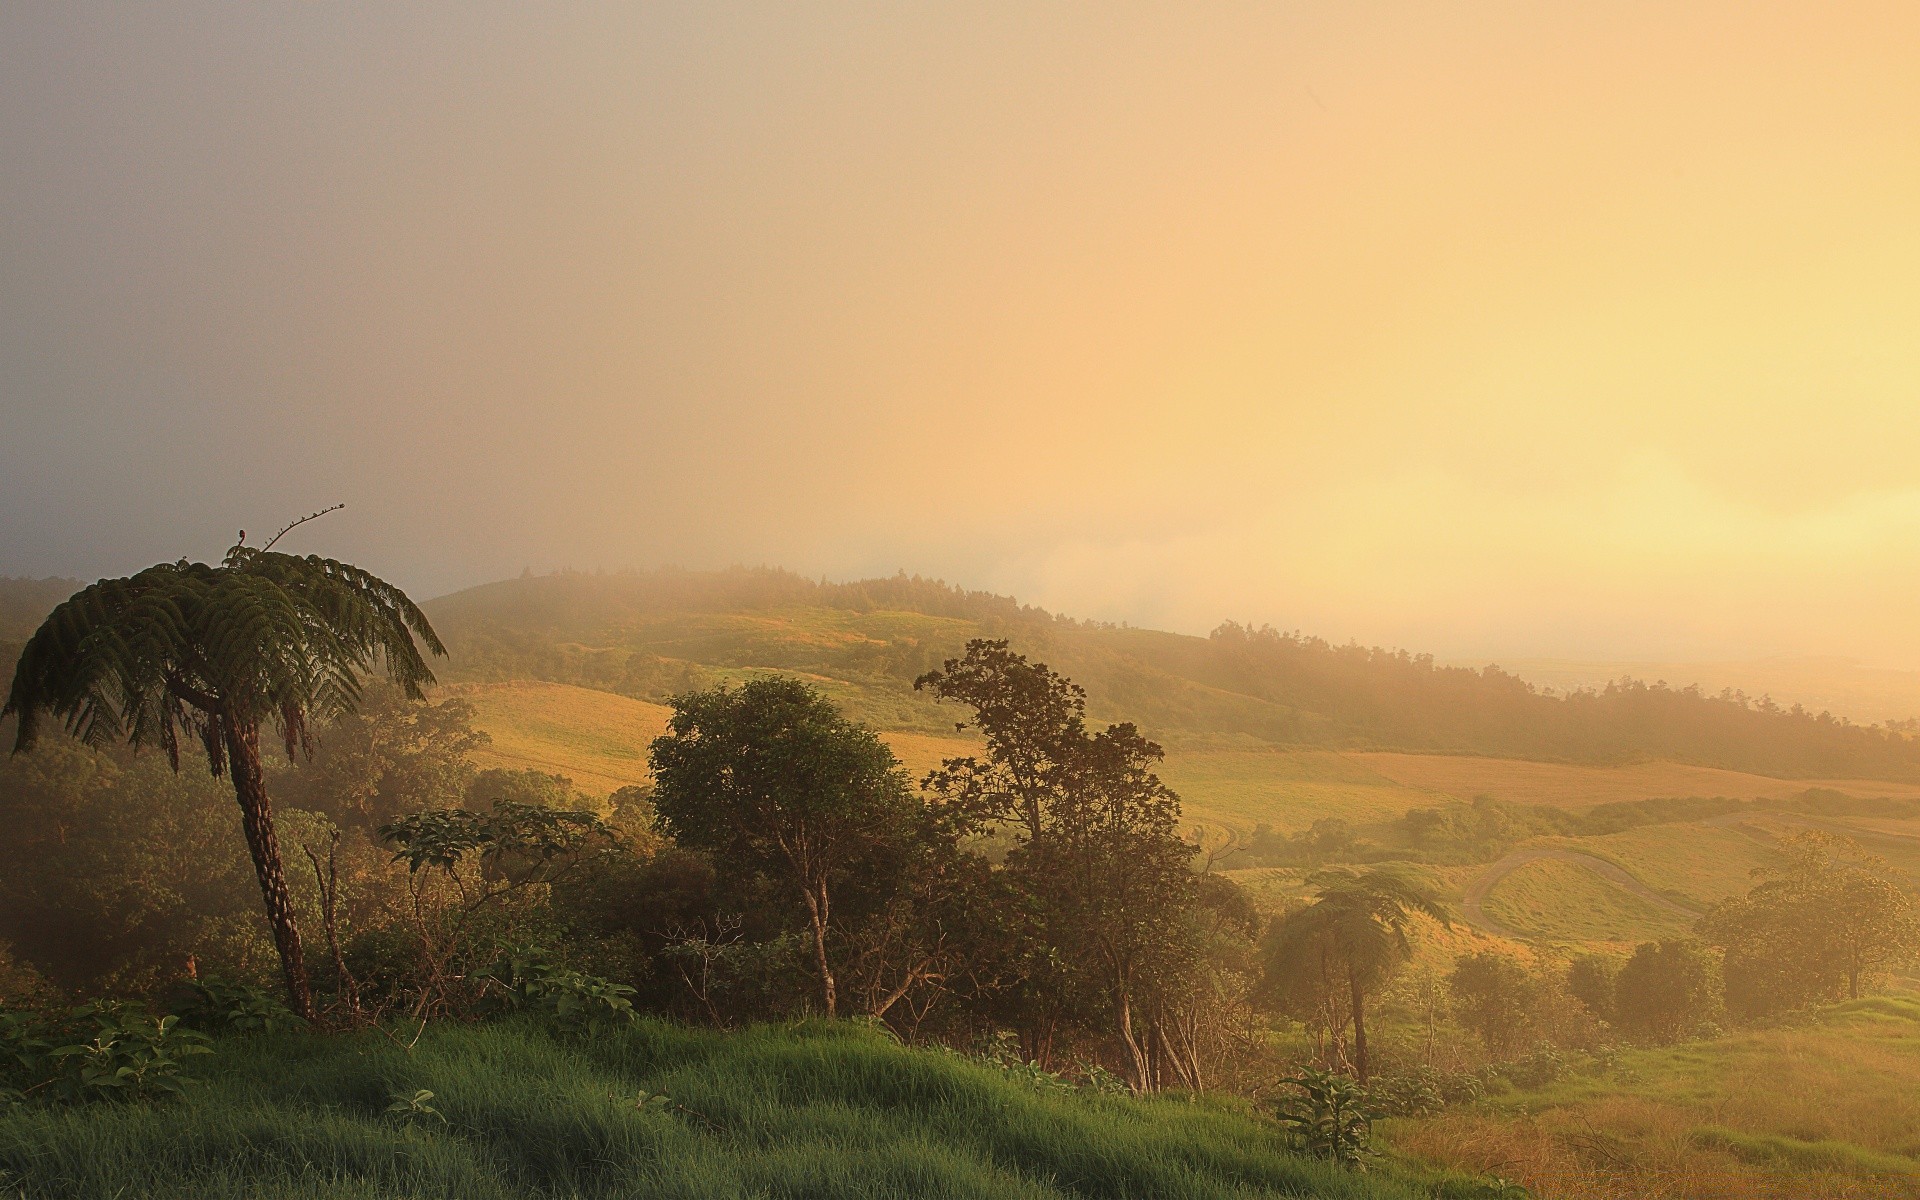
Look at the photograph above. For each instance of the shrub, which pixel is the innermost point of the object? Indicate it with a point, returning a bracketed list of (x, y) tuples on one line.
[(575, 1002), (218, 1006), (91, 1053), (1330, 1116)]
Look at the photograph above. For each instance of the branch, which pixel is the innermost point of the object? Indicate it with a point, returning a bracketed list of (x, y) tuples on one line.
[(291, 525)]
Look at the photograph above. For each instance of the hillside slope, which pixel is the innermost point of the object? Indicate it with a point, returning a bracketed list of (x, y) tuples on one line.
[(650, 635), (660, 1111)]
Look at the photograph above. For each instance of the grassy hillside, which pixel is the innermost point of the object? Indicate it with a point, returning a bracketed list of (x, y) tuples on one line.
[(649, 635), (1823, 1108), (659, 1111)]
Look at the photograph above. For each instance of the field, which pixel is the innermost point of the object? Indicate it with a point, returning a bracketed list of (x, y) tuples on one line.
[(1567, 785), (599, 740), (1826, 1108), (660, 1111), (1557, 901)]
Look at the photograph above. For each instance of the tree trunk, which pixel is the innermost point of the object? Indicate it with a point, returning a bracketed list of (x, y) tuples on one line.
[(817, 911), (256, 817), (1359, 1025)]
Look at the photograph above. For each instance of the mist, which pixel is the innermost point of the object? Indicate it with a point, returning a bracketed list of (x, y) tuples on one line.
[(1491, 330)]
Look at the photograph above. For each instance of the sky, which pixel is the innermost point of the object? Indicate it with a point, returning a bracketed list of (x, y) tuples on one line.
[(1488, 329)]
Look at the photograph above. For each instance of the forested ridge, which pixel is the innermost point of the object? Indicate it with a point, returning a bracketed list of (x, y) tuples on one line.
[(653, 634)]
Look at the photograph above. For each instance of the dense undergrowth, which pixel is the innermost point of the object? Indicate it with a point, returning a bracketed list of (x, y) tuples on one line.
[(659, 1110)]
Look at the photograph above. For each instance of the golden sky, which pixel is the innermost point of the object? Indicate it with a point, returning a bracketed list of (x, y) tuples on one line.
[(1492, 329)]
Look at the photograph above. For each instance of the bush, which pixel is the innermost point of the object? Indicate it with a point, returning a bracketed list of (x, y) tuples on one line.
[(575, 1002), (1330, 1117), (216, 1006), (91, 1053)]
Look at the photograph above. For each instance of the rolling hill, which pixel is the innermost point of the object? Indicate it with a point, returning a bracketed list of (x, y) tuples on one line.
[(568, 674)]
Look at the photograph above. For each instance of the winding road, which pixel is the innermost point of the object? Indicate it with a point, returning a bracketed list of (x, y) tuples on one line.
[(1471, 905)]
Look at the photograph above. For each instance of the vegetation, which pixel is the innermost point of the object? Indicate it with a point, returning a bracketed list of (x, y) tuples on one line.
[(656, 1109), (212, 653), (1827, 918), (1046, 907), (655, 634), (1324, 960)]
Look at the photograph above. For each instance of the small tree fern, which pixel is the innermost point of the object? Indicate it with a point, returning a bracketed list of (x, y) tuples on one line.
[(188, 651)]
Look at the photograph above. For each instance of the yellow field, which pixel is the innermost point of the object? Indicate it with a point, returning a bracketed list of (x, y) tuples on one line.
[(599, 740), (1464, 777)]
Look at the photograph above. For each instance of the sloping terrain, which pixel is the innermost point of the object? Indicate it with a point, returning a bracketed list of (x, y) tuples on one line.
[(660, 1111)]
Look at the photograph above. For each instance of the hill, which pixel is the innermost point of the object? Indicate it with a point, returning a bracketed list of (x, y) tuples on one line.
[(649, 635), (661, 1110)]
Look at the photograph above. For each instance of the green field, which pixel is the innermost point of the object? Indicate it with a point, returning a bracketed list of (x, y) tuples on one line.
[(820, 1110), (1823, 1108), (1562, 902)]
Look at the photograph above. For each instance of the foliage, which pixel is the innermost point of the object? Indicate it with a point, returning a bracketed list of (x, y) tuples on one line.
[(1817, 926), (1667, 991), (525, 840), (771, 780), (575, 1002), (1592, 978), (1330, 1116), (217, 1005), (93, 1052), (211, 654), (1323, 960), (114, 871), (1098, 866), (1492, 995), (809, 1110)]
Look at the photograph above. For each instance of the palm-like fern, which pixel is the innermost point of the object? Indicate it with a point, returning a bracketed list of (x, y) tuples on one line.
[(1356, 929), (213, 653)]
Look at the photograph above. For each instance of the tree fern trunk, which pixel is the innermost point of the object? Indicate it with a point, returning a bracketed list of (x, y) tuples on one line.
[(1358, 998), (256, 817)]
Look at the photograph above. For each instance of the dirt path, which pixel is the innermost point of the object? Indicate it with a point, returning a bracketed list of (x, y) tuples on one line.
[(1471, 905)]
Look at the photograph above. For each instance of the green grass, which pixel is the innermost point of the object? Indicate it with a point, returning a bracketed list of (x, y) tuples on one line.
[(1826, 1104), (814, 1111), (1557, 901)]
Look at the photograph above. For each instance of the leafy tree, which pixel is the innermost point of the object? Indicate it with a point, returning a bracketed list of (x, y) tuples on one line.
[(769, 778), (210, 653), (1345, 945), (1034, 723), (1591, 979), (1827, 918), (391, 756), (1098, 852), (1492, 995), (1667, 990)]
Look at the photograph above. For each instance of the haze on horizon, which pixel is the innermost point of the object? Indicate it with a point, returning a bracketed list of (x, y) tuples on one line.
[(1496, 330)]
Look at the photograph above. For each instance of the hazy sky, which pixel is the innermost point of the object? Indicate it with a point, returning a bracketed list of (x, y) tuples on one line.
[(1489, 329)]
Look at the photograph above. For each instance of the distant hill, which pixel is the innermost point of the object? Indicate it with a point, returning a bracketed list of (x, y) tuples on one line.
[(648, 635)]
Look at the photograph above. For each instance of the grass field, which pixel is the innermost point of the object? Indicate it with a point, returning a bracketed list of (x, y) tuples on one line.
[(599, 740), (1464, 777), (819, 1110), (1828, 1108), (1562, 902)]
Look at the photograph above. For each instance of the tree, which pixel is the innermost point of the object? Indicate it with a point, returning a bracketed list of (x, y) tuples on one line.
[(1667, 990), (212, 653), (1098, 856), (1591, 979), (1346, 944), (1827, 918), (770, 778), (1492, 995)]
